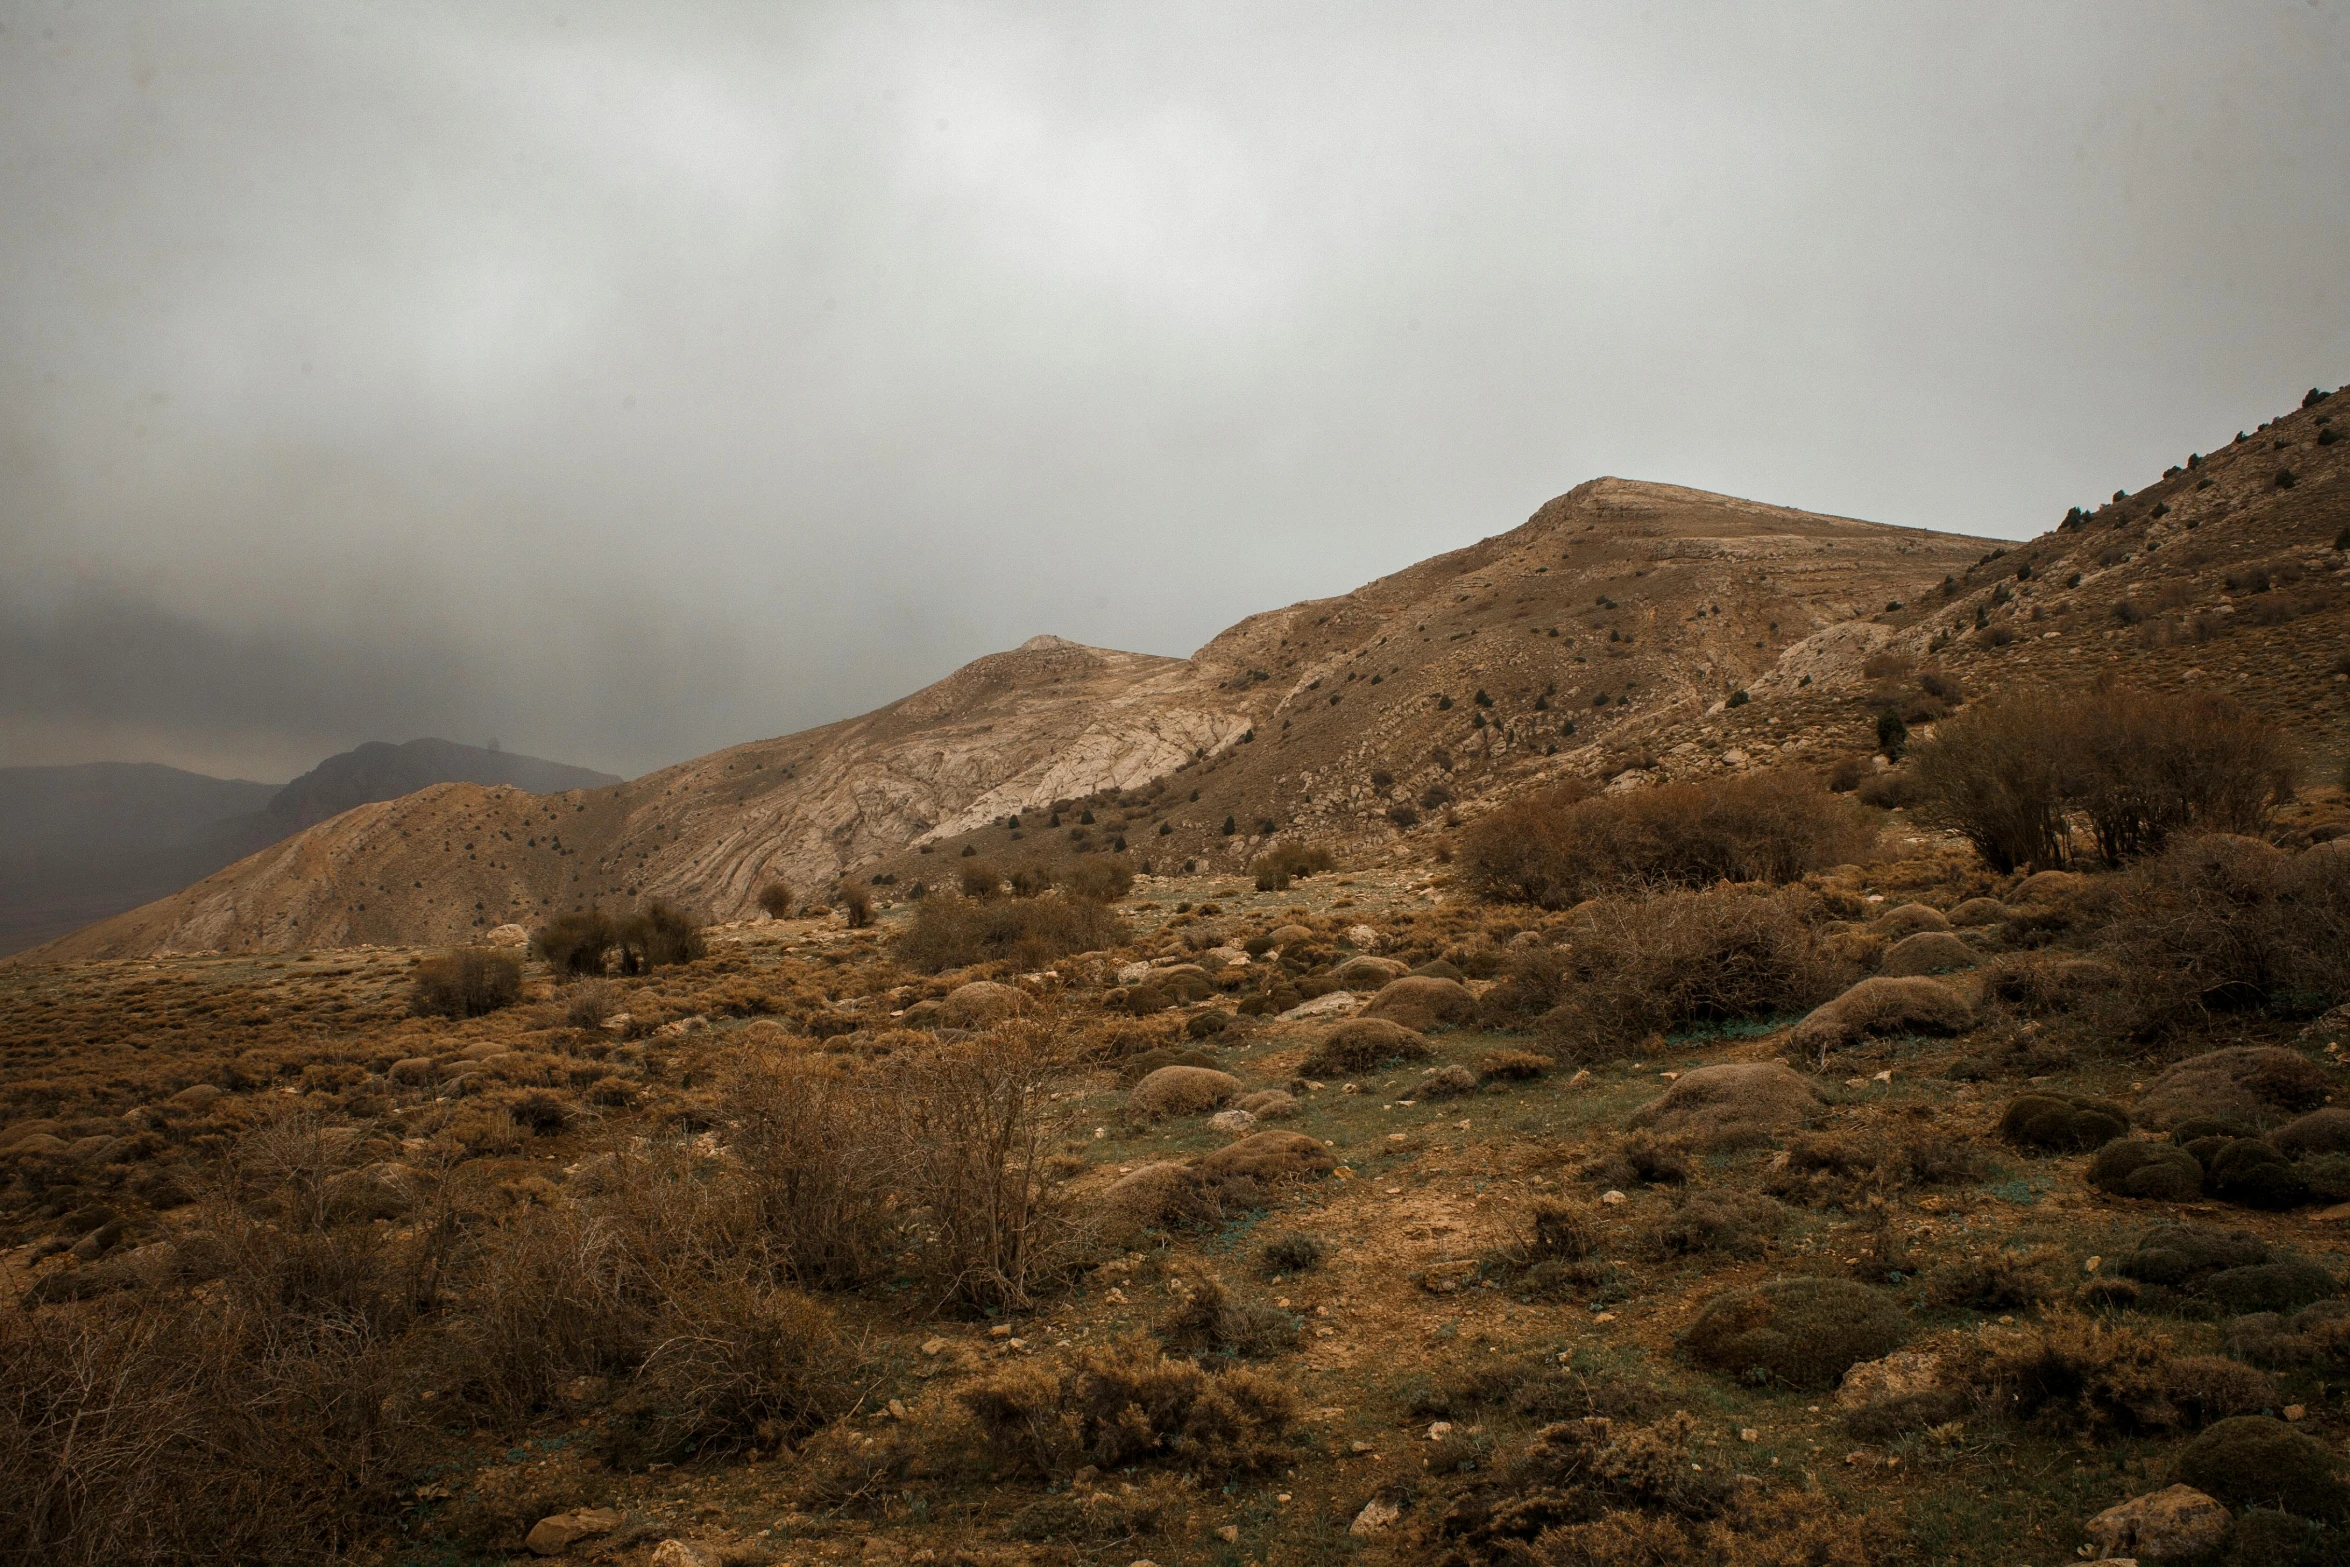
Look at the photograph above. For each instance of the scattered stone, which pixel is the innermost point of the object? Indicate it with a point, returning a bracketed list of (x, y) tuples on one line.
[(1903, 1374), (676, 1553), (1232, 1120), (1335, 1004), (553, 1536), (1378, 1515)]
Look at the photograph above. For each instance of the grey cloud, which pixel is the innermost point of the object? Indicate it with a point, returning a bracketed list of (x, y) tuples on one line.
[(631, 381)]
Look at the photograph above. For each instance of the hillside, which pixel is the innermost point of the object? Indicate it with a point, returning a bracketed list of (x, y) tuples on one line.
[(1610, 634), (79, 844), (82, 842), (1662, 600)]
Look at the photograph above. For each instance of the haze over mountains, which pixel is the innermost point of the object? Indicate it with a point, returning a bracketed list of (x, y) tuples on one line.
[(79, 843)]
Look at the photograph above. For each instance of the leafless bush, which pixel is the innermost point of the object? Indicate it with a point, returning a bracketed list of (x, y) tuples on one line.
[(1276, 868), (1657, 964), (775, 899), (954, 932), (813, 1144), (856, 905), (1128, 1404), (2139, 768), (1558, 848), (589, 1002), (465, 983), (2223, 922)]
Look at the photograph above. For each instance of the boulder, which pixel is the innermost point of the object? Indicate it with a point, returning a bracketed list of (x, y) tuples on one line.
[(553, 1536), (1906, 1373), (1232, 1121), (1182, 1090), (678, 1553), (978, 1004), (1362, 938), (1421, 1001), (1927, 952), (1336, 1004), (2161, 1526), (1732, 1104), (513, 937), (1909, 919)]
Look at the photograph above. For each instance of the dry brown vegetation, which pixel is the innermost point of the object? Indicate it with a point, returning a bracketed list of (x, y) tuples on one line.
[(1556, 849)]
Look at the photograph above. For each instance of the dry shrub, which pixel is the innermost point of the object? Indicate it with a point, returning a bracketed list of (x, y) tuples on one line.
[(1732, 1104), (1557, 848), (775, 899), (2225, 923), (1207, 1319), (1447, 1082), (2140, 768), (468, 982), (2143, 1168), (576, 942), (153, 1429), (589, 1002), (814, 1145), (2258, 1461), (2072, 1374), (1277, 867), (658, 935), (1604, 1493), (856, 904), (1998, 1280), (1098, 879), (1671, 961), (1720, 1223), (973, 1136), (956, 932), (1127, 1404), (1511, 1066), (1237, 1178), (733, 1363)]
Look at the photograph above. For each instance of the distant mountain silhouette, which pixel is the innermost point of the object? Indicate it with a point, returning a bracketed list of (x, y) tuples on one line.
[(382, 771), (81, 843)]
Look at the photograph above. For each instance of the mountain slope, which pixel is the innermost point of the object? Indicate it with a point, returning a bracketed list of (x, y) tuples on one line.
[(82, 842), (1662, 599), (78, 844)]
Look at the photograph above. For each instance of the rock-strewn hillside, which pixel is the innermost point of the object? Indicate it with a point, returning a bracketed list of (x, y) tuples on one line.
[(1612, 632)]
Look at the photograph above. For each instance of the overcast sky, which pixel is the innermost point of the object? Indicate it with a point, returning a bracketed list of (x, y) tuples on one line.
[(627, 381)]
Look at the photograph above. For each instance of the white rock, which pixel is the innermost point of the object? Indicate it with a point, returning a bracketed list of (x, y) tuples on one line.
[(1378, 1514), (1133, 973), (1232, 1120), (507, 936), (1336, 1002), (1362, 938), (2177, 1521), (676, 1553)]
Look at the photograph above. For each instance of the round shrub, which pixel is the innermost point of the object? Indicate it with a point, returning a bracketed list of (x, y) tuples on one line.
[(2252, 1174), (2285, 1285), (2259, 1461), (1182, 1090), (2140, 1167), (2061, 1123), (1927, 952), (1362, 1044), (1802, 1333), (1419, 1001), (2320, 1131)]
